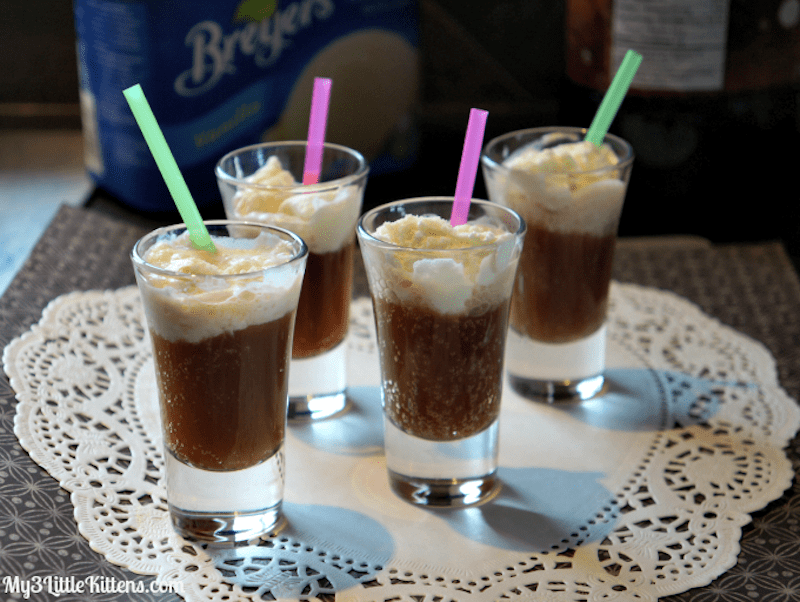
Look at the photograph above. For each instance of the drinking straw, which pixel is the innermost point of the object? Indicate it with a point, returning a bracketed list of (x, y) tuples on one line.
[(169, 168), (470, 154), (613, 99), (320, 98)]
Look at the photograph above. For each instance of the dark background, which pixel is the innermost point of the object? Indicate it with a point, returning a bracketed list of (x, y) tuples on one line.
[(722, 166)]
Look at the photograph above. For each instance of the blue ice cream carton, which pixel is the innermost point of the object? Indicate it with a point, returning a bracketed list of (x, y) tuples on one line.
[(224, 74)]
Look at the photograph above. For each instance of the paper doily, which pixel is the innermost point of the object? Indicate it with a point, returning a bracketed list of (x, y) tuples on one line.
[(636, 495)]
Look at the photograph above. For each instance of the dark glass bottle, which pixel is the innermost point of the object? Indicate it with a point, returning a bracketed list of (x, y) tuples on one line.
[(713, 113)]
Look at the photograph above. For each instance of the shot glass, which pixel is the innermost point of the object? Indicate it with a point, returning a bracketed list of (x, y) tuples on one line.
[(557, 339), (441, 317), (221, 349), (261, 183)]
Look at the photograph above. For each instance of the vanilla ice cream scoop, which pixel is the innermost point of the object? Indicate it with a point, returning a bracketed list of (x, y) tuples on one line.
[(568, 157), (434, 272), (322, 217), (194, 294), (570, 187)]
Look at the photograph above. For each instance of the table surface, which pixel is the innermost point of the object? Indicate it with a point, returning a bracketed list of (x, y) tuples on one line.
[(751, 287)]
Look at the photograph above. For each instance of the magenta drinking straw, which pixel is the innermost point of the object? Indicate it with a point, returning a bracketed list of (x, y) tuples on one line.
[(317, 122), (473, 142)]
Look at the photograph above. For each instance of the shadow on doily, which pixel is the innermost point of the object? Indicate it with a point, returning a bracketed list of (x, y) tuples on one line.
[(355, 432), (363, 536), (288, 564), (539, 509), (636, 399)]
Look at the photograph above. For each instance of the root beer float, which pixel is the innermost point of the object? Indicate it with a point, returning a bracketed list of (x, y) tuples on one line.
[(262, 183), (441, 296), (570, 193), (571, 200), (441, 319), (221, 329)]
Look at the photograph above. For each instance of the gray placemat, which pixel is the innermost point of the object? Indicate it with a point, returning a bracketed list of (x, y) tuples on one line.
[(39, 539), (751, 287)]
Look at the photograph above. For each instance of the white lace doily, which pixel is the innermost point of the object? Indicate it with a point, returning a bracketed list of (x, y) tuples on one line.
[(633, 496)]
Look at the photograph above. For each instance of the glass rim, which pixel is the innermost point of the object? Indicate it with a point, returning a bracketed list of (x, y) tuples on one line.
[(361, 172), (369, 237), (624, 161), (139, 261)]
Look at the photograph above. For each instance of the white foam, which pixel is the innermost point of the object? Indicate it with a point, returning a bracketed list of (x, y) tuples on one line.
[(569, 157), (434, 232), (324, 219), (207, 297), (455, 269), (562, 189)]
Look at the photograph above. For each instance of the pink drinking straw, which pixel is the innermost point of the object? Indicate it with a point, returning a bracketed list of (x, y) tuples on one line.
[(473, 142), (316, 129)]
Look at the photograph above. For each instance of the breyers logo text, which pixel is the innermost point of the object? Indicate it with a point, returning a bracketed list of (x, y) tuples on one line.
[(214, 53)]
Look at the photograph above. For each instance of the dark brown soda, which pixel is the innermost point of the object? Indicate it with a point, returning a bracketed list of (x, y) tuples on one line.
[(561, 292), (442, 374), (224, 399), (323, 313)]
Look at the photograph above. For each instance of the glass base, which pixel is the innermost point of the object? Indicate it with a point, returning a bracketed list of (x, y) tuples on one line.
[(316, 407), (446, 474), (317, 385), (224, 506), (225, 528), (555, 391), (444, 493)]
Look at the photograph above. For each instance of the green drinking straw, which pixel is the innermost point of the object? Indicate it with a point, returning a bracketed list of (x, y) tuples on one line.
[(613, 98), (169, 168)]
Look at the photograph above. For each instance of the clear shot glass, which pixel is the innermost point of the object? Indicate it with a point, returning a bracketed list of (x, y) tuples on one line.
[(441, 318), (262, 183), (221, 350), (557, 338)]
